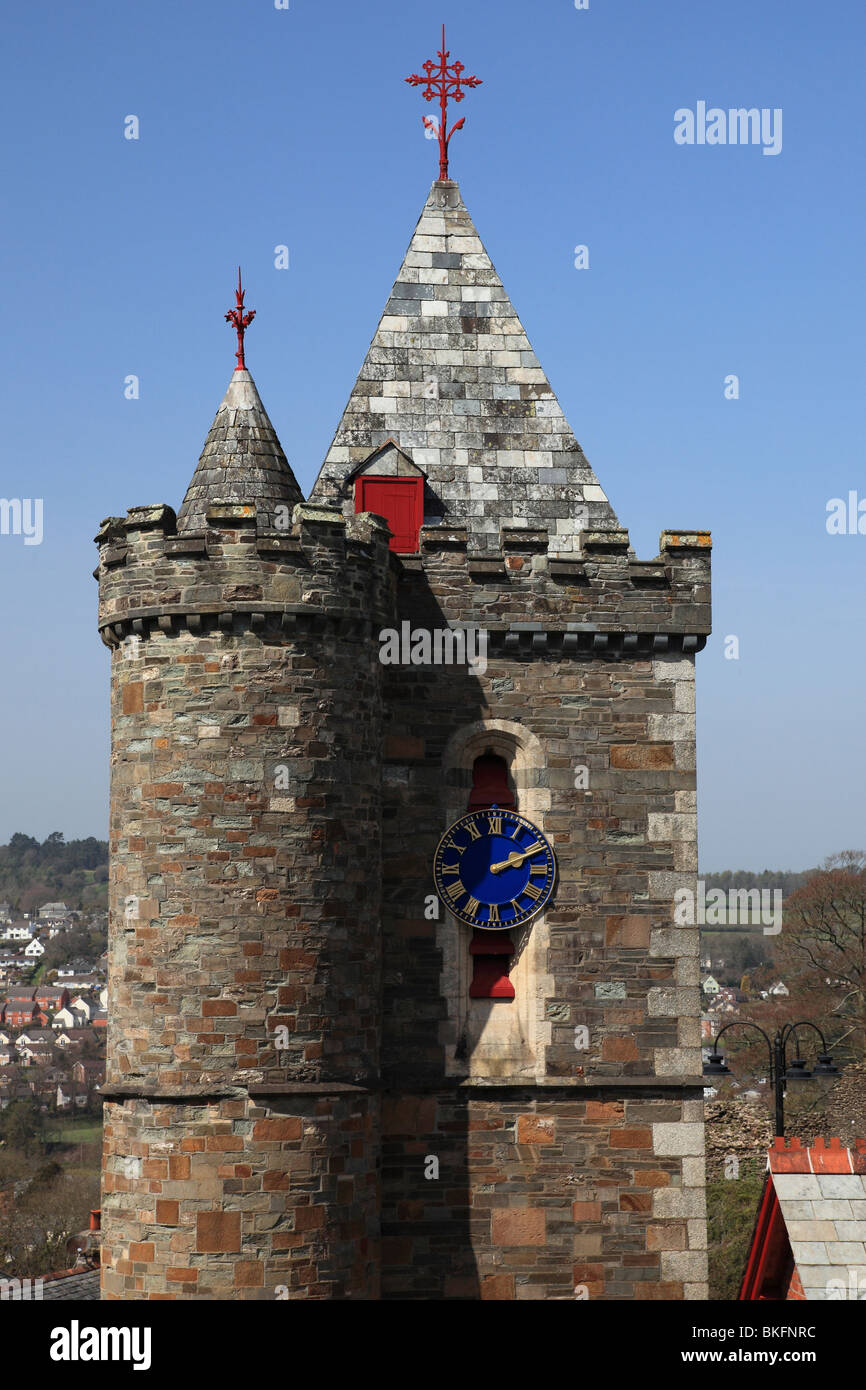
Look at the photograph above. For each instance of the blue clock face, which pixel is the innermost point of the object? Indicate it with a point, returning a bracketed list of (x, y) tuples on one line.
[(494, 869)]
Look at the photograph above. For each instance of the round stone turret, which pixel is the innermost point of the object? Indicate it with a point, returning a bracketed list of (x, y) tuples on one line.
[(244, 951)]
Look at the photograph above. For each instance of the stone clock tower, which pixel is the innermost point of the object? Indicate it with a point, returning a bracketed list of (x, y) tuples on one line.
[(322, 1083)]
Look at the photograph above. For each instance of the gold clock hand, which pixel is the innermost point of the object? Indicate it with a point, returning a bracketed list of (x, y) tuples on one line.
[(514, 859)]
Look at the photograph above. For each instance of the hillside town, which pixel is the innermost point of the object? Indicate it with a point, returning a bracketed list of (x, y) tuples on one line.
[(721, 1003), (53, 1007)]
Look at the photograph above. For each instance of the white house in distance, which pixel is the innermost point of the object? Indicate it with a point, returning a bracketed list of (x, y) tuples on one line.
[(710, 985), (67, 1018), (35, 948), (76, 981), (18, 931), (34, 1045)]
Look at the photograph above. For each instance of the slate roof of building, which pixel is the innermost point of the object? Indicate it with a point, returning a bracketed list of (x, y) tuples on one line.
[(74, 1288), (821, 1194), (242, 461), (825, 1214), (451, 377)]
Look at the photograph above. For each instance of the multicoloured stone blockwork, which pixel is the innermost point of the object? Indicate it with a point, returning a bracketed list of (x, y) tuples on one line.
[(557, 1194), (303, 1099), (242, 1198)]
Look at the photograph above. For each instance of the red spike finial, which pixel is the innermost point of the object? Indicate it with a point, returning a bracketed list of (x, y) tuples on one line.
[(240, 319), (443, 81)]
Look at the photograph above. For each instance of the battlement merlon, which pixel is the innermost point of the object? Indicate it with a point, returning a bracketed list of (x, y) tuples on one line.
[(323, 567)]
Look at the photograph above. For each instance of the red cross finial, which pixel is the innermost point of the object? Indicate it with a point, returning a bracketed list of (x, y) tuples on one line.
[(445, 81), (240, 319)]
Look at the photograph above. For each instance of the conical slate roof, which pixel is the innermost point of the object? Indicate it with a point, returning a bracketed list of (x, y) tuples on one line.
[(452, 378), (242, 461)]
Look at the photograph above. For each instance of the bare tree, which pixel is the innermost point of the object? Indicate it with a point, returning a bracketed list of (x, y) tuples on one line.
[(822, 948), (40, 1217)]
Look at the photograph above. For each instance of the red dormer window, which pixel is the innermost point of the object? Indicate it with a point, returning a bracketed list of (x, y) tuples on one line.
[(400, 501)]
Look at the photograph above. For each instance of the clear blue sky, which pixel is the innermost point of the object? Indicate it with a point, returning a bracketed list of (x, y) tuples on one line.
[(260, 127)]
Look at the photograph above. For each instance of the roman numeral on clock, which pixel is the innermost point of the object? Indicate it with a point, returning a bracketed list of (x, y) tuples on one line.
[(474, 832), (450, 869), (471, 907), (532, 892), (538, 869), (495, 825), (494, 914), (455, 891)]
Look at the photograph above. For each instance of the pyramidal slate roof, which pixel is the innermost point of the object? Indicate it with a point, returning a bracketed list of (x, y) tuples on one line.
[(451, 377), (242, 461)]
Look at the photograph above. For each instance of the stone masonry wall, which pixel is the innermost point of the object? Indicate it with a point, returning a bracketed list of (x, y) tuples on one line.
[(236, 1167), (576, 1193), (593, 1177), (241, 1199), (244, 940)]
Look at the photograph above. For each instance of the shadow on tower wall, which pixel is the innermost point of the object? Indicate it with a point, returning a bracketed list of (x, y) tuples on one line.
[(427, 1190)]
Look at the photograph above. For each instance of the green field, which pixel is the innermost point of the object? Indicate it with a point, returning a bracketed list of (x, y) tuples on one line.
[(87, 1130)]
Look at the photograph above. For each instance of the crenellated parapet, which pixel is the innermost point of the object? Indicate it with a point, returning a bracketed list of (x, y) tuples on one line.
[(325, 570), (600, 600)]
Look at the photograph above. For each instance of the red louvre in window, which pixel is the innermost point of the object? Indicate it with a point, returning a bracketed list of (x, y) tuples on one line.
[(490, 784), (491, 961), (400, 501)]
